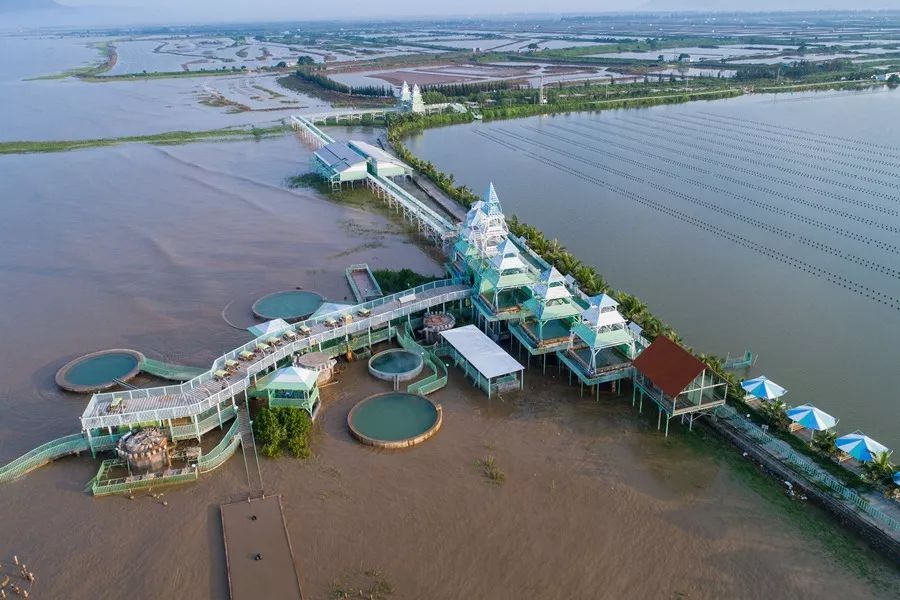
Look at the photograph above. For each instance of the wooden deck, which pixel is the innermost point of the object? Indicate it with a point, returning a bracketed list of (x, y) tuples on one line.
[(258, 553)]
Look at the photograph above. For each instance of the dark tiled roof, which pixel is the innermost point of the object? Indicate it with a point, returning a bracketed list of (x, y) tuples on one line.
[(669, 366)]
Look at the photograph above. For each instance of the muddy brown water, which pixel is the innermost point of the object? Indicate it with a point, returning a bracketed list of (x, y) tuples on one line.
[(142, 247)]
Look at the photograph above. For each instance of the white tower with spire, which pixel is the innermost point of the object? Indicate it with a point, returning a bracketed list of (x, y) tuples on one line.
[(418, 105)]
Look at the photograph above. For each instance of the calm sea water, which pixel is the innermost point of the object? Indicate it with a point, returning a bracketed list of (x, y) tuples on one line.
[(769, 223)]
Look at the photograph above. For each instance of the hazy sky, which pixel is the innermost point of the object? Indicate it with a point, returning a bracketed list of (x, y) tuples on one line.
[(319, 9)]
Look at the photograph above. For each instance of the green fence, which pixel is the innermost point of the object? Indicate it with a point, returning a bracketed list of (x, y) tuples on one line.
[(70, 444), (121, 485), (804, 466), (170, 371), (438, 377), (222, 452)]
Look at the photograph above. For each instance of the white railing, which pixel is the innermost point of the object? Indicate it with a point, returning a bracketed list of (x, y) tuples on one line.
[(413, 203), (188, 391)]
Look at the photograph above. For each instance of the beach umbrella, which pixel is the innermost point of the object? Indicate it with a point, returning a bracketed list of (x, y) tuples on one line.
[(763, 388), (811, 418), (859, 446), (897, 477)]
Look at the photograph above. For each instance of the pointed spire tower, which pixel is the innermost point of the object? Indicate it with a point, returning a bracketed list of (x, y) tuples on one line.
[(602, 326), (506, 272), (551, 302), (493, 229), (418, 105)]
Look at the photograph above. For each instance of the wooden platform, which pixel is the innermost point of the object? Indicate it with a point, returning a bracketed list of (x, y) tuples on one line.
[(273, 576)]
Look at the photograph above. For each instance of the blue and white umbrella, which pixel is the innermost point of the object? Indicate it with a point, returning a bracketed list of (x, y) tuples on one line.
[(811, 417), (859, 446), (763, 388), (897, 477)]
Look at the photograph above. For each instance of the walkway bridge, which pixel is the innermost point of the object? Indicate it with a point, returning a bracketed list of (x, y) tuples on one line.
[(208, 393), (170, 371), (425, 219), (43, 454), (349, 116)]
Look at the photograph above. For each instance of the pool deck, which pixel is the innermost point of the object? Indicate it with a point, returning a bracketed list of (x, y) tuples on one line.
[(275, 575)]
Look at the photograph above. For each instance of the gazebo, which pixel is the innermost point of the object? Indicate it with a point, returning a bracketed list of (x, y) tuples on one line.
[(551, 310), (601, 345), (505, 284), (294, 387), (679, 384)]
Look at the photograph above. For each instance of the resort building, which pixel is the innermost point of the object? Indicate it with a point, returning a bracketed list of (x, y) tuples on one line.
[(679, 384), (503, 287), (549, 315), (482, 360), (337, 163), (381, 163), (601, 344)]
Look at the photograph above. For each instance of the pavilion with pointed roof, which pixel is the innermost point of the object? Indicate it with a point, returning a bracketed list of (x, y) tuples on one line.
[(550, 313), (601, 345), (294, 387), (504, 284), (677, 381)]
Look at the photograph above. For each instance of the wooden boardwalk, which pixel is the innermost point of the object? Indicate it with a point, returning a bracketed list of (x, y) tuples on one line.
[(258, 552)]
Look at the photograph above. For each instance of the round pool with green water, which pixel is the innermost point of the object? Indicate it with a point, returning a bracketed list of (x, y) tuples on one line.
[(290, 305), (99, 370), (396, 363), (394, 420)]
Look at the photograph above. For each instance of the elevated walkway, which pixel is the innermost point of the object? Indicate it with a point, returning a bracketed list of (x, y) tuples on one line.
[(309, 133), (205, 392), (170, 371), (43, 454), (426, 220), (438, 377)]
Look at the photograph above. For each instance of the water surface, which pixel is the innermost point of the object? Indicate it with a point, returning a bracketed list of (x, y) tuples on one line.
[(769, 223)]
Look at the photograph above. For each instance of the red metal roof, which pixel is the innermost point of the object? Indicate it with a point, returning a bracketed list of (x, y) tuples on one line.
[(669, 366)]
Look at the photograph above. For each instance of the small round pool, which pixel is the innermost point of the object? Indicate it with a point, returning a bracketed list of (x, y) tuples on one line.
[(394, 420), (290, 305), (395, 364), (99, 370)]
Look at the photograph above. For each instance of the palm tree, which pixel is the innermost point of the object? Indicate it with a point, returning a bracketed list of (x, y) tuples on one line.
[(567, 263), (880, 468), (776, 412), (825, 442), (554, 247)]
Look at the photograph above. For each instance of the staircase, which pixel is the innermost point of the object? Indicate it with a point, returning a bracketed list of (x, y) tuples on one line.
[(248, 446)]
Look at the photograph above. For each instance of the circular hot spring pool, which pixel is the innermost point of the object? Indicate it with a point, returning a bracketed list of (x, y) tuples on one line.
[(290, 305), (396, 364), (394, 420), (99, 370)]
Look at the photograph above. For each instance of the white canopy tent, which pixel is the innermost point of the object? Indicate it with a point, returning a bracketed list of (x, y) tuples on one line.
[(487, 363)]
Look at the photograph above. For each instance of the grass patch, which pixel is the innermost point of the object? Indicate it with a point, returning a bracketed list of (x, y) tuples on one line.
[(169, 137), (335, 98), (371, 584), (490, 470), (215, 99), (107, 50), (842, 546), (307, 180)]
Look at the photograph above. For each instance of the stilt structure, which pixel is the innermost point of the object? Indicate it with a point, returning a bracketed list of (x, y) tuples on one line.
[(550, 313), (601, 345), (679, 384)]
